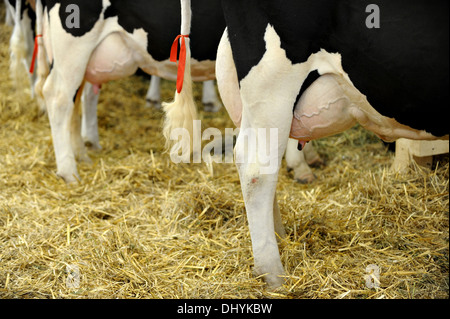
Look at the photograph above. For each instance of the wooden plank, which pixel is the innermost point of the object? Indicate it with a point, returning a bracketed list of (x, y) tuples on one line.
[(421, 151), (428, 148)]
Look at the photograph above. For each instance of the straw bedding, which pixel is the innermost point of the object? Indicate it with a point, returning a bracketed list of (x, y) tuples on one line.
[(140, 226)]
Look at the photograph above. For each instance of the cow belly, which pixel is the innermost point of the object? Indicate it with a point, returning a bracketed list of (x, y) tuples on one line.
[(111, 60), (332, 105)]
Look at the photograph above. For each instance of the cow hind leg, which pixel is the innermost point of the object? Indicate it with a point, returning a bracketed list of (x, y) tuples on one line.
[(89, 124), (60, 106), (258, 190), (258, 98), (296, 162), (76, 139), (259, 175), (280, 232), (153, 97), (259, 195), (312, 157), (210, 100)]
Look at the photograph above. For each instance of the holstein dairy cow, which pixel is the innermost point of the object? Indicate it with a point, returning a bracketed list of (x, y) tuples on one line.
[(382, 64), (98, 41)]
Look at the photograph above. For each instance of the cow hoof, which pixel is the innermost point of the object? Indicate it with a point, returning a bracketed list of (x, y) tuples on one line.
[(306, 179), (212, 107), (273, 282), (269, 268), (153, 104), (93, 146), (42, 112), (316, 162), (85, 159), (72, 179)]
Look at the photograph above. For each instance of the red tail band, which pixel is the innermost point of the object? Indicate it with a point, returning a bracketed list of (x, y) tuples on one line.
[(35, 51), (179, 40)]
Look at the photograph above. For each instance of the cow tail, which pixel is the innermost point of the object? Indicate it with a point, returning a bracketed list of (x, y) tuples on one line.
[(181, 113)]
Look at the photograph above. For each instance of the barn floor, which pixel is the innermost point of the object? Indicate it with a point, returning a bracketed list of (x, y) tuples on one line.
[(140, 226)]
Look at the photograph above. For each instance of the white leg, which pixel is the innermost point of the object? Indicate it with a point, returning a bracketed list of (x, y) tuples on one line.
[(264, 105), (311, 156), (9, 20), (78, 146), (258, 189), (89, 124), (280, 232), (61, 89), (210, 100), (295, 160), (153, 97), (60, 106), (259, 194)]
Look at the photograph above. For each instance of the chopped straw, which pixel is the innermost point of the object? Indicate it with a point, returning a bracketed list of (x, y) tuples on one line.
[(140, 226)]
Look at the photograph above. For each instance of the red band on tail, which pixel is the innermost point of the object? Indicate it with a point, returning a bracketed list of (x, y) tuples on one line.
[(35, 51), (182, 60)]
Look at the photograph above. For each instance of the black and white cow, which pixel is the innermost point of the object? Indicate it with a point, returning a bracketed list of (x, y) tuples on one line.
[(20, 14), (98, 41), (381, 63)]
